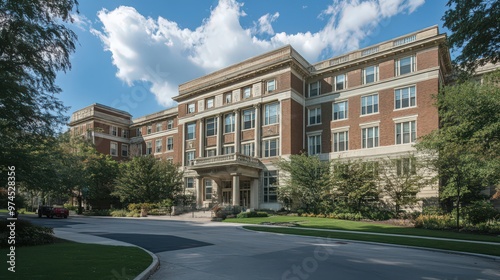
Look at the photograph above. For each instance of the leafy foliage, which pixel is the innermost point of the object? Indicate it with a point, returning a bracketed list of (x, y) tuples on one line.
[(27, 234)]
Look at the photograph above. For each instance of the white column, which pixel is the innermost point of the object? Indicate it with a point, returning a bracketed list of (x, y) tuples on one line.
[(237, 132), (236, 189), (258, 128), (201, 140), (199, 191)]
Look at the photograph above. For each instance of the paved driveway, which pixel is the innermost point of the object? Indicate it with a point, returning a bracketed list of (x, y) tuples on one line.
[(203, 250)]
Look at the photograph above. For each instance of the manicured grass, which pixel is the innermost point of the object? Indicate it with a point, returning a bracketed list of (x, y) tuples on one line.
[(417, 242), (325, 223), (69, 260)]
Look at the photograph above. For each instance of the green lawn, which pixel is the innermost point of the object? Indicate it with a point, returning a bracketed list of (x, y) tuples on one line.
[(68, 260)]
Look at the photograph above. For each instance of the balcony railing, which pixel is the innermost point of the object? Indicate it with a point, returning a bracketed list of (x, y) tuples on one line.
[(235, 158)]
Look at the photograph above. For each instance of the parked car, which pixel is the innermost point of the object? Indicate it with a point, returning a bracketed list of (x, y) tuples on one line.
[(51, 211)]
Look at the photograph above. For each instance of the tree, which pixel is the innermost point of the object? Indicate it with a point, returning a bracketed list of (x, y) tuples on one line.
[(355, 182), (34, 45), (305, 182), (475, 30), (465, 150), (147, 180), (102, 171)]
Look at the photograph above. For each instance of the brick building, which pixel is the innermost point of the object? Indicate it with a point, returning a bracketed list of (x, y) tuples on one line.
[(230, 125)]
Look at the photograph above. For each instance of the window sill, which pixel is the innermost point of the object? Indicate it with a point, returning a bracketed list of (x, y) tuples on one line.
[(406, 108), (371, 114)]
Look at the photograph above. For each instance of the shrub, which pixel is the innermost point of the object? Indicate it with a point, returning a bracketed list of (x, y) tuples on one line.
[(27, 234), (97, 212), (435, 222), (480, 212), (71, 207), (134, 213), (252, 214), (119, 213)]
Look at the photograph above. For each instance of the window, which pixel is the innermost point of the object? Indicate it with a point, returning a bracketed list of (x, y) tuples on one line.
[(138, 132), (211, 126), (170, 124), (248, 149), (314, 89), (271, 148), (189, 183), (149, 129), (124, 133), (370, 137), (208, 189), (228, 150), (170, 143), (370, 74), (113, 130), (270, 183), (271, 114), (340, 110), (405, 132), (158, 127), (190, 108), (248, 118), (340, 82), (124, 150), (405, 65), (210, 103), (211, 153), (369, 104), (405, 97), (247, 92), (158, 145), (314, 116), (149, 148), (190, 132), (228, 98), (229, 123), (189, 157), (271, 85), (341, 141), (405, 166), (113, 149), (314, 145)]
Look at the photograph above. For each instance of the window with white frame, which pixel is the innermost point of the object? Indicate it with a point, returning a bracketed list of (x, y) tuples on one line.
[(247, 92), (369, 104), (170, 124), (210, 152), (228, 97), (113, 130), (149, 129), (158, 145), (113, 149), (210, 103), (405, 97), (314, 116), (170, 143), (228, 150), (124, 133), (314, 144), (248, 149), (340, 82), (229, 121), (314, 88), (271, 113), (406, 132), (248, 118), (189, 157), (190, 108), (190, 131), (405, 65), (189, 182), (270, 186), (208, 189), (158, 127), (370, 137), (370, 74), (405, 166), (341, 141), (138, 131), (271, 85), (340, 110), (271, 147), (149, 148), (211, 126), (124, 150)]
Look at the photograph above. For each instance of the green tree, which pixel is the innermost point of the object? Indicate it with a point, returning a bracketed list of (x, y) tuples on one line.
[(465, 150), (355, 182), (147, 180), (475, 30), (305, 182), (102, 171)]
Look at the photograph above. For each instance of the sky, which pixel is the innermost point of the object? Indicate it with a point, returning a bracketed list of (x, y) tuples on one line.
[(132, 55)]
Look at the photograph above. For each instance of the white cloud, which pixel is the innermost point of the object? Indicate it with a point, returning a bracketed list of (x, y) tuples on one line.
[(161, 53), (81, 21)]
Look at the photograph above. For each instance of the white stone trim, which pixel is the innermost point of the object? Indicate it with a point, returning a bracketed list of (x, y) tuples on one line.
[(405, 119)]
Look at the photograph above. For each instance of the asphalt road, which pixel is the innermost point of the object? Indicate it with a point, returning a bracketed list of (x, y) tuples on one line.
[(204, 250)]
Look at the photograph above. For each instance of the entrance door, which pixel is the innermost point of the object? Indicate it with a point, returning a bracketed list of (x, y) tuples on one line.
[(245, 198), (227, 197)]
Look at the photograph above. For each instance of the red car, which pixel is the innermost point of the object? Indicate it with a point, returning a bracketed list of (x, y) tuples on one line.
[(50, 212)]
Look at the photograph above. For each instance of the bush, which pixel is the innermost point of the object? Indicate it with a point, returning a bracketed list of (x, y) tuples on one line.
[(252, 214), (100, 212), (480, 212), (71, 207), (134, 213), (119, 213), (435, 222), (27, 234)]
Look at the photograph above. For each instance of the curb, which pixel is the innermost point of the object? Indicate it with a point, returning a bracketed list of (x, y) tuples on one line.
[(151, 268)]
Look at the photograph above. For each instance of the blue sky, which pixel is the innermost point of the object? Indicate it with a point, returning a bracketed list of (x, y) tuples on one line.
[(132, 55)]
